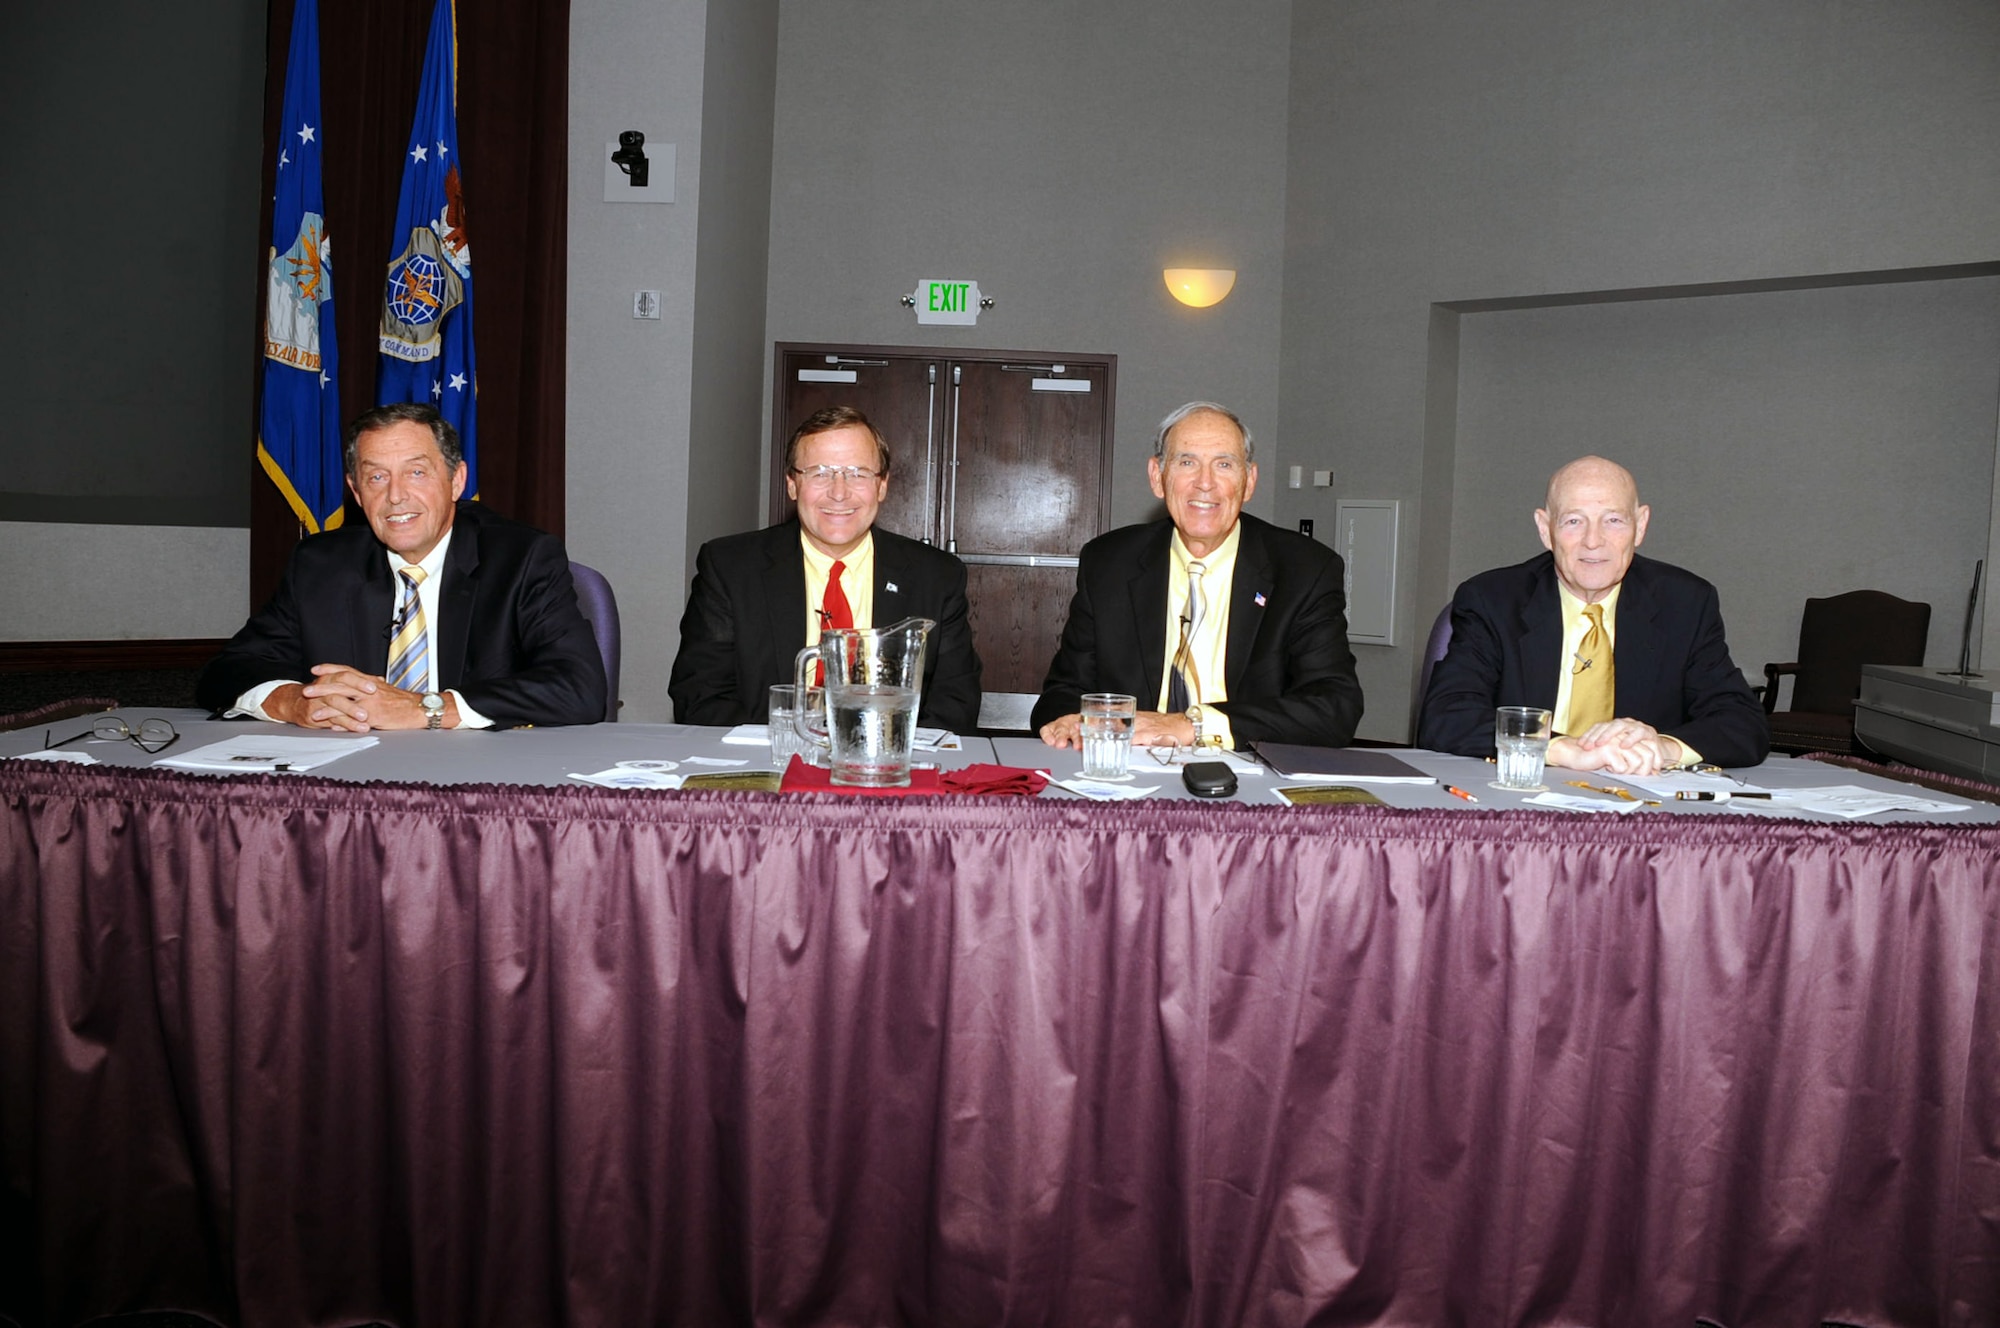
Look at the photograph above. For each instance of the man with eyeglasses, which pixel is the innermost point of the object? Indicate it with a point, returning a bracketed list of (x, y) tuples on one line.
[(434, 613), (761, 597), (1627, 653), (1226, 629)]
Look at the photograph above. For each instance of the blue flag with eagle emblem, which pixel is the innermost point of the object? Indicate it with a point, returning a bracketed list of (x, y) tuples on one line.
[(298, 428), (427, 307)]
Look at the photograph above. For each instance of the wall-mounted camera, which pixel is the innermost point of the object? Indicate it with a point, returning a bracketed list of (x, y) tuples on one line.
[(631, 157)]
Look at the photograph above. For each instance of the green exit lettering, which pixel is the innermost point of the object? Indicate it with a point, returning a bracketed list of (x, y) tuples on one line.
[(948, 297)]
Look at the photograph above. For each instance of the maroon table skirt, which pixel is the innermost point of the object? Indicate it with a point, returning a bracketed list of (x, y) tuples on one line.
[(297, 1052)]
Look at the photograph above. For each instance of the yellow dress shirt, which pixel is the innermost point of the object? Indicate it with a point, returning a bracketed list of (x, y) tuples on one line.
[(1211, 637), (857, 581)]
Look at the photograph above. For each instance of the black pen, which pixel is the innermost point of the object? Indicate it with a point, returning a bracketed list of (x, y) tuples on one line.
[(1686, 796)]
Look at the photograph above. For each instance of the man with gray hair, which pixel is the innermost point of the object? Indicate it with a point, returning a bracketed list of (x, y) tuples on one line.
[(433, 613), (1226, 628)]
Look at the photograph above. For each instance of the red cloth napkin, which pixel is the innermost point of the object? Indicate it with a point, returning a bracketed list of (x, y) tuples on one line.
[(996, 779)]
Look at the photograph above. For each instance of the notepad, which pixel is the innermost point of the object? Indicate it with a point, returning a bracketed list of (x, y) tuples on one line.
[(265, 753), (1340, 765)]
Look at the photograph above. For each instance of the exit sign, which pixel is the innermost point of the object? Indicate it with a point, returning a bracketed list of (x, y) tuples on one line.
[(951, 301)]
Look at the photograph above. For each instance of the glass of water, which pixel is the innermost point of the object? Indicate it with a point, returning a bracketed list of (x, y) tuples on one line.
[(784, 732), (1522, 735), (1108, 718)]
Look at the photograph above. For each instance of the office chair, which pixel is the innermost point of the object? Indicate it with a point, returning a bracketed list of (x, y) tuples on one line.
[(1440, 641), (1005, 714), (1836, 637), (600, 609)]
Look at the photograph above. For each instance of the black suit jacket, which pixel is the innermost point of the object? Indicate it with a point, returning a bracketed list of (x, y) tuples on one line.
[(1673, 664), (746, 623), (1287, 666), (511, 639)]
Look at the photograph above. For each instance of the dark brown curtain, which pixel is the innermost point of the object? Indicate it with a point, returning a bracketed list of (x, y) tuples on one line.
[(513, 82), (315, 1053)]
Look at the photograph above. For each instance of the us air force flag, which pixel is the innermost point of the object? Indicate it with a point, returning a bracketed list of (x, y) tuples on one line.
[(427, 308), (298, 433)]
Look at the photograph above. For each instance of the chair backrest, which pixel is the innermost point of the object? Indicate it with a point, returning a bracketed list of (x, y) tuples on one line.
[(1006, 712), (1440, 641), (1840, 634), (600, 609)]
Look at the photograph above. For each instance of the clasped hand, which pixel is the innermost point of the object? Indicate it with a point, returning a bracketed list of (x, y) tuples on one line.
[(1618, 746), (1150, 728), (340, 697)]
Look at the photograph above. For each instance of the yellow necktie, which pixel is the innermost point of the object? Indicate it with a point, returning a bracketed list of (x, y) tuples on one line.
[(1593, 685), (409, 652)]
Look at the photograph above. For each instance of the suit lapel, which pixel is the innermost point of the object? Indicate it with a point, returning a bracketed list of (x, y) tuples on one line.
[(461, 565), (1148, 594), (1253, 579), (892, 583), (1541, 625), (1636, 652), (370, 612), (783, 579)]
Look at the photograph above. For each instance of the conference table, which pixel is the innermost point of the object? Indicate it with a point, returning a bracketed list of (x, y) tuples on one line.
[(441, 1034)]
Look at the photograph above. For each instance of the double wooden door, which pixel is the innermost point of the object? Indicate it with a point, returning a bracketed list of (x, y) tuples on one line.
[(1001, 457)]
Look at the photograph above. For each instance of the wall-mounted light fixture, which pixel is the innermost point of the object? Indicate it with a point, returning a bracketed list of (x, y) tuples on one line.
[(1199, 287)]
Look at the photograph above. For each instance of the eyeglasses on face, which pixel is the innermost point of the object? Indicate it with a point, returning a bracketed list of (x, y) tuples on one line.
[(152, 736), (822, 477)]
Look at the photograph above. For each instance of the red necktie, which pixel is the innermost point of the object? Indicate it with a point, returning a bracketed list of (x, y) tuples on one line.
[(835, 610)]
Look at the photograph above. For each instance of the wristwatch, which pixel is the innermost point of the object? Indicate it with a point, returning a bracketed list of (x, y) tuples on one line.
[(1194, 718), (433, 710)]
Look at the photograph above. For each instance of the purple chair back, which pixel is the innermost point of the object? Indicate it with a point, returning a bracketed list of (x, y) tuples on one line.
[(600, 609), (1433, 652)]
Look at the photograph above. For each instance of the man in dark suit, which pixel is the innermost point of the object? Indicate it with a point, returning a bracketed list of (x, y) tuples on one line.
[(1628, 653), (364, 612), (759, 598), (1227, 629)]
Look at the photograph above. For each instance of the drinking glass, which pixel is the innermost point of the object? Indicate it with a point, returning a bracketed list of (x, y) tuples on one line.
[(784, 710), (1108, 718), (1522, 735)]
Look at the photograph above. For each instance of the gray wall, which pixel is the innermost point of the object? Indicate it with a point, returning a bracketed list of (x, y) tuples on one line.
[(1060, 154), (129, 145), (725, 470), (1457, 152), (129, 142), (636, 64)]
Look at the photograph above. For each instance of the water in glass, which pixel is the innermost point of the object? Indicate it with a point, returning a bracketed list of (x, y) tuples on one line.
[(872, 728), (1521, 762)]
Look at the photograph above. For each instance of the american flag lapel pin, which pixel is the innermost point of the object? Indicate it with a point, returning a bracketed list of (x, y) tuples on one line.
[(1259, 597)]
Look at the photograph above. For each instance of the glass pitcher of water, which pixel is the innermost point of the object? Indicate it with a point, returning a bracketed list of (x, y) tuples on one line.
[(874, 681)]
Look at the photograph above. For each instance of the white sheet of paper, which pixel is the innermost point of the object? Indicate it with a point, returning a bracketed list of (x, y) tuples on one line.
[(1669, 782), (261, 752), (1091, 788), (626, 777), (1568, 803), (1850, 800)]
